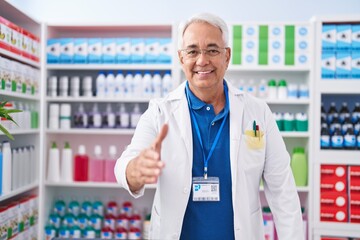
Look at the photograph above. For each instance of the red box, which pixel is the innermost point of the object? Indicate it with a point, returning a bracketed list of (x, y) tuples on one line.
[(335, 200), (333, 171), (333, 184), (330, 214), (354, 173), (355, 207)]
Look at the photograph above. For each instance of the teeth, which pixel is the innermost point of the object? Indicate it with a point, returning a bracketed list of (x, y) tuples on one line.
[(204, 72)]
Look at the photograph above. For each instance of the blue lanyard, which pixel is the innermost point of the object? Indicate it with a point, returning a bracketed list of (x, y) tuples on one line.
[(206, 160)]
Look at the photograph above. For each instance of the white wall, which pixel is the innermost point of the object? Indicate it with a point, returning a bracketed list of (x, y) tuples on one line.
[(168, 11)]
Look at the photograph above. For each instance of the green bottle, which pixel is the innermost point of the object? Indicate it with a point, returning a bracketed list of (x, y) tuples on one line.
[(299, 166)]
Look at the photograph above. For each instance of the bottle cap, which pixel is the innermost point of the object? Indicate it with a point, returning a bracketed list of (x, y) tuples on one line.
[(67, 145), (82, 149), (272, 83), (282, 83), (53, 145), (97, 150), (112, 150)]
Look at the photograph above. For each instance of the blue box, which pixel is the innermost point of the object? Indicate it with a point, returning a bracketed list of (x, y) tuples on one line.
[(80, 50), (343, 65), (343, 37), (137, 50), (355, 64), (109, 50), (165, 50), (328, 40), (123, 50), (355, 41), (151, 50), (66, 50), (53, 51), (328, 65), (94, 50)]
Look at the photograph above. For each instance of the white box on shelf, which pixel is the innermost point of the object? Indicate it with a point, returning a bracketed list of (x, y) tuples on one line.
[(276, 58), (276, 45), (302, 32), (250, 58), (250, 31), (250, 45), (302, 58), (276, 31)]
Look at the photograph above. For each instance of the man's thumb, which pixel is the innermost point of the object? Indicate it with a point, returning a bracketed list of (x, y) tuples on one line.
[(160, 137)]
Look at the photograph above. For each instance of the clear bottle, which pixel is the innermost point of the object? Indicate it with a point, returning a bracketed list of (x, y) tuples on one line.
[(95, 117), (80, 117), (122, 117), (81, 165), (110, 85), (147, 85), (108, 119), (263, 89), (157, 85), (66, 164), (96, 167), (110, 164), (135, 116), (167, 83), (120, 86), (100, 84), (344, 112)]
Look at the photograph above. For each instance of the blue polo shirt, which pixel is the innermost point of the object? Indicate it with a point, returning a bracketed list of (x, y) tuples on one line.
[(210, 220)]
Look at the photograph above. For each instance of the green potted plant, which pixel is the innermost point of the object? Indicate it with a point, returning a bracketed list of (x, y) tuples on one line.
[(5, 114)]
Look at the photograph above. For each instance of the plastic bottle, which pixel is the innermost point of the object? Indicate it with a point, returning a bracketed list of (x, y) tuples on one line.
[(279, 118), (146, 227), (122, 117), (358, 141), (107, 233), (53, 173), (54, 116), (272, 89), (110, 85), (157, 85), (129, 85), (75, 232), (121, 233), (299, 166), (344, 112), (69, 220), (135, 116), (75, 86), (112, 208), (269, 226), (134, 233), (335, 125), (96, 171), (66, 163), (138, 84), (357, 127), (167, 83), (109, 221), (303, 91), (89, 232), (325, 142), (15, 169), (95, 117), (74, 208), (60, 207), (80, 117), (82, 221), (123, 220), (128, 208), (282, 89), (332, 113), (251, 88), (349, 139), (289, 122), (108, 119), (110, 164), (135, 220), (355, 115), (346, 125), (52, 86), (50, 232), (98, 208), (301, 122), (337, 139), (87, 86), (293, 91), (65, 116), (100, 84), (147, 85), (86, 208), (242, 87), (81, 165), (34, 117), (323, 114), (95, 222), (64, 86), (263, 89), (120, 85)]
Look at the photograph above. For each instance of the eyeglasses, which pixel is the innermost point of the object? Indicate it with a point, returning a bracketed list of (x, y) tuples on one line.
[(194, 53)]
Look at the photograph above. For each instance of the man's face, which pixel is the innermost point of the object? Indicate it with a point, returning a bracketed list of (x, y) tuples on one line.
[(205, 70)]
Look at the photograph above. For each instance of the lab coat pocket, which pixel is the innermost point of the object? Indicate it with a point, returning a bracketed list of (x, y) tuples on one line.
[(253, 152)]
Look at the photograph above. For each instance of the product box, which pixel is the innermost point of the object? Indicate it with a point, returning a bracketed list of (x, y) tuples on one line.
[(94, 50), (151, 50), (250, 31), (250, 45), (109, 50), (276, 31), (328, 39), (25, 44), (276, 58), (302, 45), (5, 33), (302, 59), (343, 37), (328, 64), (302, 32), (276, 45), (333, 178), (53, 51), (355, 39), (123, 50), (333, 171), (355, 64), (34, 47), (355, 207), (343, 65), (6, 66), (15, 38), (354, 185), (66, 50), (250, 58), (137, 50), (334, 200), (330, 214), (80, 50), (165, 50)]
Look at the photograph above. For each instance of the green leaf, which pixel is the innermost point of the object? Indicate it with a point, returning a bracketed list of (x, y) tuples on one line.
[(6, 132)]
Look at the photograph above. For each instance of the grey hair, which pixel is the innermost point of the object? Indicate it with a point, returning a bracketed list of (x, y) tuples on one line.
[(204, 18)]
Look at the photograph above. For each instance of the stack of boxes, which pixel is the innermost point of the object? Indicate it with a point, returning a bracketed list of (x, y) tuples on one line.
[(109, 50), (340, 51), (340, 193), (271, 45)]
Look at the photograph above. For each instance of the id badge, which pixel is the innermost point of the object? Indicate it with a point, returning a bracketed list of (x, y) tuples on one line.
[(206, 189)]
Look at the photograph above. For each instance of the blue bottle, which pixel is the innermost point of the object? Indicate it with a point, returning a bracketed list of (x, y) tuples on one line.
[(325, 137), (337, 139), (349, 139), (332, 113), (344, 112)]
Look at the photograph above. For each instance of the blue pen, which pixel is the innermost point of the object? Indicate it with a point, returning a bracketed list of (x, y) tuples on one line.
[(254, 127)]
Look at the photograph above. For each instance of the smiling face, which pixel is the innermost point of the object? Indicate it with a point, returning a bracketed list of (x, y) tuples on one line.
[(205, 72)]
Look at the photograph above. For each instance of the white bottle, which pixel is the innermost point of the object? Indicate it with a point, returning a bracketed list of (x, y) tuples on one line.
[(135, 116), (147, 89), (108, 117), (110, 85), (75, 86), (87, 86), (64, 86), (167, 83), (27, 164), (129, 85), (251, 88), (6, 168), (120, 85), (52, 86), (263, 89), (53, 171), (65, 116), (95, 117), (156, 83), (282, 89), (100, 85), (272, 89), (15, 169), (54, 114), (22, 169), (27, 116), (66, 164), (123, 117), (138, 84)]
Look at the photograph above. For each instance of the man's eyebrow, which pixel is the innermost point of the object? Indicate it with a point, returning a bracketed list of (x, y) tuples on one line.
[(196, 46)]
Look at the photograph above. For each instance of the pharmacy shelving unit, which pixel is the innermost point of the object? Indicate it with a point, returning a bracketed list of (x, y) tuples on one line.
[(90, 137), (296, 74), (340, 87), (29, 136)]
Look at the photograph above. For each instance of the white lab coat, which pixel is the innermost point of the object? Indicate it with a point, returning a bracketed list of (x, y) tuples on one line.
[(247, 167)]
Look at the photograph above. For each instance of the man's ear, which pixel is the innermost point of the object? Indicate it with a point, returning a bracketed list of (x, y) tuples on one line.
[(181, 59)]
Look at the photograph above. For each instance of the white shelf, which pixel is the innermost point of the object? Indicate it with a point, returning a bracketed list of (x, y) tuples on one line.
[(346, 157), (268, 68), (19, 58), (338, 229), (109, 66), (299, 101), (295, 134), (92, 131), (340, 86), (95, 99), (22, 132), (19, 95), (91, 185), (19, 191)]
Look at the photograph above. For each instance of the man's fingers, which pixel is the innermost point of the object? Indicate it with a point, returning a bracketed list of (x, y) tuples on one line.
[(163, 132)]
